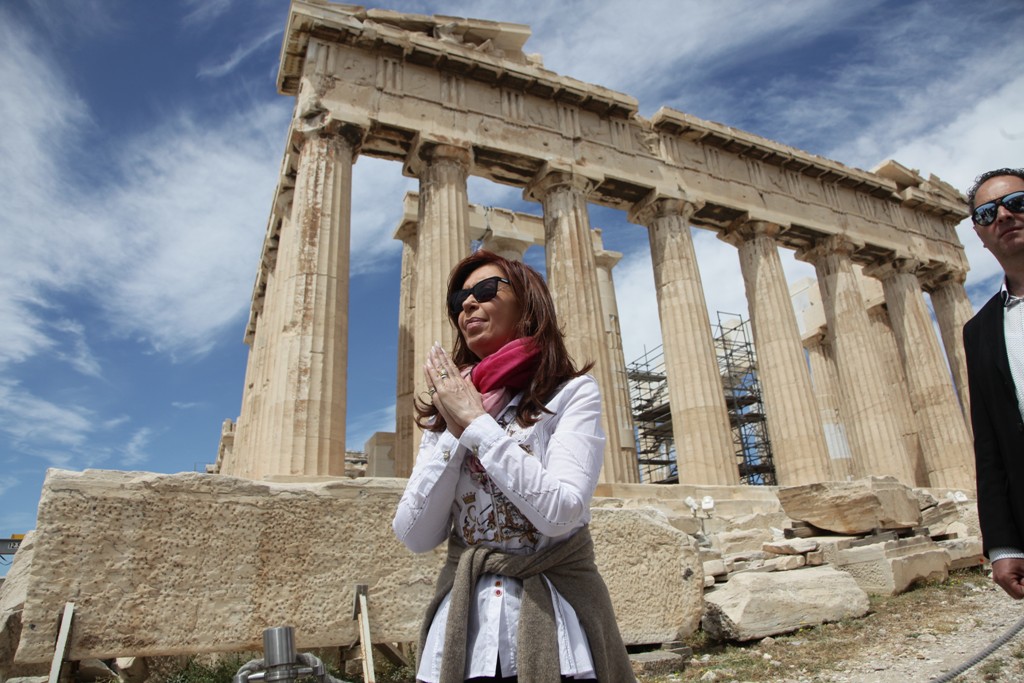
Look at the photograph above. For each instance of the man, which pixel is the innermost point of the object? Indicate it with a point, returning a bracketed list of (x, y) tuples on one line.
[(994, 343)]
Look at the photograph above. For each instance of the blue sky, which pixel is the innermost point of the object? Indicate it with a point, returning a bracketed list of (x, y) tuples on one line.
[(140, 144)]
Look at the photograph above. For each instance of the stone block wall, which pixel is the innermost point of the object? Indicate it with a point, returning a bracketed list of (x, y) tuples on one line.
[(178, 564)]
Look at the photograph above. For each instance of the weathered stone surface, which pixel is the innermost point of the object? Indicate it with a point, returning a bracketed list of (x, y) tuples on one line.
[(714, 568), (787, 562), (132, 669), (938, 517), (758, 520), (855, 507), (963, 552), (656, 662), (12, 603), (793, 546), (188, 563), (756, 605), (892, 567), (829, 546), (657, 586), (740, 541)]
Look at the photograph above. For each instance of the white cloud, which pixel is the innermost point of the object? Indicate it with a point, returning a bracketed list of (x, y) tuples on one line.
[(41, 425), (362, 426), (238, 55), (134, 452), (205, 11), (80, 357), (7, 482)]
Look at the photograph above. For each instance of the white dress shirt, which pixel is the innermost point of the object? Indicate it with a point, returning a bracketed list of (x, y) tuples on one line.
[(512, 488)]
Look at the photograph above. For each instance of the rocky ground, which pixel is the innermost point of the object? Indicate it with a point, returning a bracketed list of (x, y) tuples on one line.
[(918, 636)]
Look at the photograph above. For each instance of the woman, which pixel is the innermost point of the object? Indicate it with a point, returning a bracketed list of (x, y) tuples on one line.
[(506, 469)]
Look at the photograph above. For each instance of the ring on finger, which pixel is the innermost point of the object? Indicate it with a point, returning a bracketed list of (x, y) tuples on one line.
[(431, 391), (443, 374)]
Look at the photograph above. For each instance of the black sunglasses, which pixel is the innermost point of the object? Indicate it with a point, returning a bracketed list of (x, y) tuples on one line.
[(485, 290), (986, 213)]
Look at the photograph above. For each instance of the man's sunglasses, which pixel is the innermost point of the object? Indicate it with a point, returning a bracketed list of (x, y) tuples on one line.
[(986, 213), (485, 290)]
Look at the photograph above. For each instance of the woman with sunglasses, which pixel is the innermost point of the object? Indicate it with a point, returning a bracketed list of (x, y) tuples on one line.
[(510, 456)]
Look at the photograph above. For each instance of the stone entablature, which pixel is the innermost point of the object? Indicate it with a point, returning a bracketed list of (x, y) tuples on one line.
[(400, 80)]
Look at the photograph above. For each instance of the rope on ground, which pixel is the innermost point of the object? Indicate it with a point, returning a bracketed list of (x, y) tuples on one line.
[(996, 644)]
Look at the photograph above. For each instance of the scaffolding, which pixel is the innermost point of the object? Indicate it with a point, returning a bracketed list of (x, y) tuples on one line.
[(652, 417)]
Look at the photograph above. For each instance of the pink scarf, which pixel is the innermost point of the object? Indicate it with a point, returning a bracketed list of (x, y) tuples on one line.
[(503, 373)]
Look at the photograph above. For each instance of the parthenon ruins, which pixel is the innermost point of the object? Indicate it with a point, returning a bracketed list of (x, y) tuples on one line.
[(449, 98)]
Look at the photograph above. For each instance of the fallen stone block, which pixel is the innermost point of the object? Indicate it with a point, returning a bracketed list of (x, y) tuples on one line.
[(815, 558), (12, 604), (830, 545), (938, 517), (963, 552), (786, 562), (715, 568), (653, 572), (892, 567), (754, 605), (189, 563), (855, 507), (793, 546), (656, 662), (740, 540)]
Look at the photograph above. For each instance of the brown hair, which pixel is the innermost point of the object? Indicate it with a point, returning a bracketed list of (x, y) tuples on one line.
[(537, 320)]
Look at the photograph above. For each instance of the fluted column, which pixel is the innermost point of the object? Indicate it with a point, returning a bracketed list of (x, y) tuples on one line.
[(443, 219), (871, 428), (406, 431), (700, 419), (895, 388), (572, 276), (826, 394), (798, 441), (605, 261), (309, 306), (238, 462), (945, 443), (952, 311)]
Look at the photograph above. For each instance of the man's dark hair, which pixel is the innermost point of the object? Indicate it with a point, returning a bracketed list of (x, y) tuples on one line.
[(988, 175)]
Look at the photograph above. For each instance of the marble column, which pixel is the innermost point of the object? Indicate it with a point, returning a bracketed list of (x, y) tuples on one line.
[(572, 277), (700, 419), (239, 462), (952, 311), (826, 394), (407, 433), (871, 427), (308, 310), (945, 443), (896, 389), (443, 219), (605, 261), (798, 441)]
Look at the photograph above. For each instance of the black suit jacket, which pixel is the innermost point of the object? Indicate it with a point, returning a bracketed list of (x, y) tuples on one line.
[(998, 429)]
